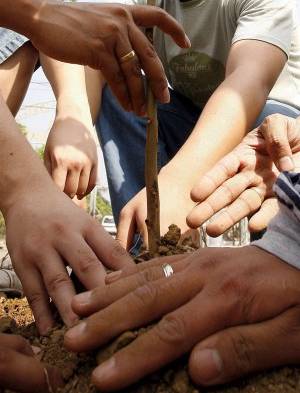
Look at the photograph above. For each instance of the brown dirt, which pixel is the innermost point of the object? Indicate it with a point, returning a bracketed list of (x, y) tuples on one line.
[(76, 369)]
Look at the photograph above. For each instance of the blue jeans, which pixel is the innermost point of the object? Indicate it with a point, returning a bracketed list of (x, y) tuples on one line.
[(123, 136)]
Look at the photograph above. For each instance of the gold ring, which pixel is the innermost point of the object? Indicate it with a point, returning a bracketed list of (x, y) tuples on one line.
[(131, 55)]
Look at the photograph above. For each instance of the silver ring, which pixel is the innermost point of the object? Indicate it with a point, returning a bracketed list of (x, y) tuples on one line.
[(167, 269)]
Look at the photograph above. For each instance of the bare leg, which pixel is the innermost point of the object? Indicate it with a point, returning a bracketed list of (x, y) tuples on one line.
[(15, 76)]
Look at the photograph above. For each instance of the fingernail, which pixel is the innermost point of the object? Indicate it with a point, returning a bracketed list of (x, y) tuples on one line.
[(112, 277), (36, 350), (286, 164), (76, 331), (210, 365), (83, 298), (106, 370), (165, 97), (187, 42)]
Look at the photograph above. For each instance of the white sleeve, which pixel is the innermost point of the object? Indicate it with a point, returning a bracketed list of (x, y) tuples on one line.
[(270, 21)]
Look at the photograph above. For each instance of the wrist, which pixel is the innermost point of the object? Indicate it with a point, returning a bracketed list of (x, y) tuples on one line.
[(74, 108), (20, 15)]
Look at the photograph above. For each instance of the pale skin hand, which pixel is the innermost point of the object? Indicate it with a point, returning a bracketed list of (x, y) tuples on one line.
[(218, 306), (20, 371), (242, 182), (99, 35), (71, 157), (45, 231), (226, 118)]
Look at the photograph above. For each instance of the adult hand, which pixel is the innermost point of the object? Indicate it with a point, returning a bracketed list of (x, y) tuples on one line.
[(46, 231), (21, 371), (173, 193), (234, 309), (71, 156), (242, 182), (99, 35)]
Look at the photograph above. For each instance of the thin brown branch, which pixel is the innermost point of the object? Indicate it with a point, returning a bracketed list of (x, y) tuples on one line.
[(151, 170)]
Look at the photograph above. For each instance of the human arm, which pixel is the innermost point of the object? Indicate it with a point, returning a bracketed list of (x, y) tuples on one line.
[(45, 230), (98, 35), (242, 182), (227, 117), (71, 152)]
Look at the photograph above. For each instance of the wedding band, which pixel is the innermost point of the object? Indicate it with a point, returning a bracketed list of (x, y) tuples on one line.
[(167, 269), (131, 55)]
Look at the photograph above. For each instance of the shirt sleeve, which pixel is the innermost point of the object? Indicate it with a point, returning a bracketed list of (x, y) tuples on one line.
[(283, 235), (270, 21)]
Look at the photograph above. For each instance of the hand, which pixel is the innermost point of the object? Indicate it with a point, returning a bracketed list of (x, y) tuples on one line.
[(20, 371), (174, 193), (46, 231), (99, 35), (71, 156), (242, 182), (218, 305)]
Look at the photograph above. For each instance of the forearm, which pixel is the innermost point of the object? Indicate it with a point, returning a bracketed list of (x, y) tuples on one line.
[(21, 169), (69, 87), (95, 83), (228, 116)]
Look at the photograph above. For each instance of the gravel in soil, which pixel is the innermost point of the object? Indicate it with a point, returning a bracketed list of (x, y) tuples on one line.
[(16, 318)]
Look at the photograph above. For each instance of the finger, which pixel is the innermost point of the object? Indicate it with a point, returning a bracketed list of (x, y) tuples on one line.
[(83, 182), (92, 180), (16, 343), (59, 176), (248, 202), (149, 17), (222, 171), (141, 266), (84, 262), (173, 336), (108, 250), (151, 64), (38, 299), (138, 308), (126, 228), (115, 78), (238, 351), (26, 374), (88, 303), (224, 195), (72, 181), (275, 131), (133, 75), (261, 219), (59, 286)]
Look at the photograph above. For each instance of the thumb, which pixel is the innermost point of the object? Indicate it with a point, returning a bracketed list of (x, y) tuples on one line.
[(275, 131), (260, 220), (238, 351), (126, 228)]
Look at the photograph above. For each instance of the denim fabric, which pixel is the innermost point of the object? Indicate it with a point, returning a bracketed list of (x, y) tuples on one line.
[(10, 42), (123, 136)]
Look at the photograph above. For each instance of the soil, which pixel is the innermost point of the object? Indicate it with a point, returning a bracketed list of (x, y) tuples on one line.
[(17, 319)]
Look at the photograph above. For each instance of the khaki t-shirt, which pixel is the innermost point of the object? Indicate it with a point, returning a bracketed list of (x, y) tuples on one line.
[(213, 26)]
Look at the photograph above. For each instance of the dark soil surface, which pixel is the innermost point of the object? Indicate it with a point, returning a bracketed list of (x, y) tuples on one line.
[(76, 369)]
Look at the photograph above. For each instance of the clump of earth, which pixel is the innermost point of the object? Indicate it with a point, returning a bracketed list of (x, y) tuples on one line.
[(16, 318)]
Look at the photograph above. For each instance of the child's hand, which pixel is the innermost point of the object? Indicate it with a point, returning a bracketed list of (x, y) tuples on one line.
[(71, 156)]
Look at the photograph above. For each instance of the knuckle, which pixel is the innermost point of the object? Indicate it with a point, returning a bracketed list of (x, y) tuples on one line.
[(87, 263), (122, 12), (59, 228), (209, 264), (118, 77), (172, 330), (150, 51), (57, 281), (146, 295), (21, 344), (118, 251), (34, 299), (145, 276)]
